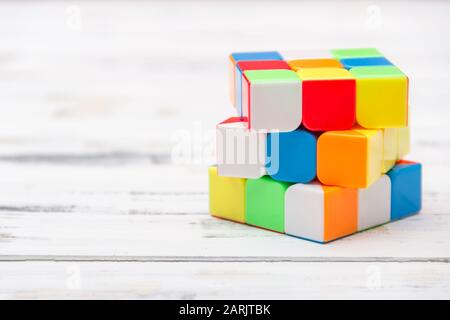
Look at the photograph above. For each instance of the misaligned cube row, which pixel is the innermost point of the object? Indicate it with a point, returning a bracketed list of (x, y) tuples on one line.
[(350, 158), (358, 84), (313, 211)]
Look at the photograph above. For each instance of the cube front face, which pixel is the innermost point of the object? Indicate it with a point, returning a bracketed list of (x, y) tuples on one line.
[(226, 196), (381, 97), (374, 204), (291, 156), (272, 100), (265, 203), (328, 98), (350, 158), (320, 213), (406, 189), (240, 152)]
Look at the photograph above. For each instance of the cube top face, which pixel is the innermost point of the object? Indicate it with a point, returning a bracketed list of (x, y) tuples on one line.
[(272, 100), (406, 184), (308, 74), (355, 53), (263, 55), (314, 63), (265, 203), (320, 213), (227, 196), (381, 97), (328, 98), (271, 76), (291, 156), (364, 62), (374, 204), (262, 65), (350, 158)]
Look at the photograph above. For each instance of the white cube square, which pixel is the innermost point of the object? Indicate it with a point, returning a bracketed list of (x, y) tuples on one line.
[(240, 152)]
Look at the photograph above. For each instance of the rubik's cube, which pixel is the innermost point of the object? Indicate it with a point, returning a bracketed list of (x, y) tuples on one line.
[(315, 146)]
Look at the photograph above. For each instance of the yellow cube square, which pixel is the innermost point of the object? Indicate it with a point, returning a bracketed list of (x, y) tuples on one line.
[(403, 142), (381, 97), (390, 149), (226, 196)]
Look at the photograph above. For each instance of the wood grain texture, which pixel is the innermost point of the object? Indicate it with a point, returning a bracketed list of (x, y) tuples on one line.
[(94, 106)]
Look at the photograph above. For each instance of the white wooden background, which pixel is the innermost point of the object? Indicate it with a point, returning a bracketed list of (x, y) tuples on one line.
[(93, 96)]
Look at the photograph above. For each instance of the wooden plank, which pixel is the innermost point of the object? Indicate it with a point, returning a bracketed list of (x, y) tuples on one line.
[(218, 280)]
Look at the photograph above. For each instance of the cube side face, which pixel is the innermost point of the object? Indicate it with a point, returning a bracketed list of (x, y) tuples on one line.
[(232, 81), (238, 91), (304, 212), (364, 62), (226, 196), (328, 104), (374, 204), (390, 148), (374, 155), (265, 203), (314, 63), (342, 159), (291, 156), (381, 97), (275, 105), (355, 53), (341, 212), (403, 142), (240, 152), (406, 189)]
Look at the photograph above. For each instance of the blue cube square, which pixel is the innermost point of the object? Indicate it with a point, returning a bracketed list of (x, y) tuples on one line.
[(365, 62), (291, 156), (406, 189)]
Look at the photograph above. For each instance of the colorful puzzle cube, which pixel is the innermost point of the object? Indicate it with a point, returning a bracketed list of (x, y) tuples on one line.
[(265, 203), (226, 196), (328, 98), (240, 152), (272, 100), (350, 158), (406, 186), (291, 156), (320, 213), (381, 97), (340, 116)]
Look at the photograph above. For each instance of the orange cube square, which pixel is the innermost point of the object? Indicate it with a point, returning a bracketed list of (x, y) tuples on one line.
[(314, 63), (350, 158)]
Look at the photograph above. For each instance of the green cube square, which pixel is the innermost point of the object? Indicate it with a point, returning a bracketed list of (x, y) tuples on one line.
[(355, 53), (265, 203)]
